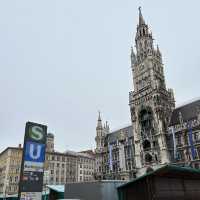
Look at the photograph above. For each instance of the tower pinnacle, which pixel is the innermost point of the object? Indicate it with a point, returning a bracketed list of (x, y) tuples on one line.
[(99, 122), (158, 50), (99, 118), (141, 19)]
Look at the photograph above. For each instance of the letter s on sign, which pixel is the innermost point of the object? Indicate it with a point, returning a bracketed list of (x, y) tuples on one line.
[(36, 133)]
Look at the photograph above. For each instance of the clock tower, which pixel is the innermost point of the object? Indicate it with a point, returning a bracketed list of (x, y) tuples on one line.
[(151, 103)]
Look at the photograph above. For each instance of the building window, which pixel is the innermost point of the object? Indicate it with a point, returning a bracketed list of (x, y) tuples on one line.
[(180, 155), (186, 138), (178, 140), (198, 151), (197, 137), (156, 157), (196, 165), (146, 145)]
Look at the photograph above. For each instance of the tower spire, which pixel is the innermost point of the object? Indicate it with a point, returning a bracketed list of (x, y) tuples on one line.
[(141, 19), (99, 117), (99, 122)]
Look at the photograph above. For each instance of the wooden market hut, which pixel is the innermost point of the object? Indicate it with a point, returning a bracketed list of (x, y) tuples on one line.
[(166, 183)]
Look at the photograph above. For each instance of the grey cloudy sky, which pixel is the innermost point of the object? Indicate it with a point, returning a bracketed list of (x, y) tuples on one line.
[(62, 61)]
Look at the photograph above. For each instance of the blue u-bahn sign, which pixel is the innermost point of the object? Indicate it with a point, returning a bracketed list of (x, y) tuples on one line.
[(34, 152), (32, 167)]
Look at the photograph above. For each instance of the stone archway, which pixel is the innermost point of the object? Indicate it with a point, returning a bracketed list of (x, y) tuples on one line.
[(149, 170), (148, 158)]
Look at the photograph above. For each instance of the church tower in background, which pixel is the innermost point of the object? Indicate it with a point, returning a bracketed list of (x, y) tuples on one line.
[(151, 103)]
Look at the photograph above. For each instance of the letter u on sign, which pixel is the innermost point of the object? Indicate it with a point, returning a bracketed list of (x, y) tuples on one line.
[(35, 152)]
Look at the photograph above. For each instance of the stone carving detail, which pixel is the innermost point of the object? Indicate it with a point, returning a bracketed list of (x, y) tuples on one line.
[(198, 113), (133, 115), (180, 117)]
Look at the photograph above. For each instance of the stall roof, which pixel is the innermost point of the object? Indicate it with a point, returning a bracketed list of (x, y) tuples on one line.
[(57, 188), (168, 170)]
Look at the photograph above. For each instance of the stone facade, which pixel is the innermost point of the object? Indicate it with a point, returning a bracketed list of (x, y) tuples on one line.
[(69, 166), (60, 168), (85, 167), (185, 128), (10, 164), (160, 133), (50, 143), (114, 153)]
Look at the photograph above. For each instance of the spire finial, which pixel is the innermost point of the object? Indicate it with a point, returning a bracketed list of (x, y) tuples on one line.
[(132, 52), (99, 117), (141, 20), (158, 50), (99, 122)]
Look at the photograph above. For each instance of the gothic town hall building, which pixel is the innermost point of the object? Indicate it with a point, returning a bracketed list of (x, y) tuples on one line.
[(160, 133)]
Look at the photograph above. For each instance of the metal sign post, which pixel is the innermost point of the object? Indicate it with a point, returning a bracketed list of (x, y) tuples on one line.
[(33, 158)]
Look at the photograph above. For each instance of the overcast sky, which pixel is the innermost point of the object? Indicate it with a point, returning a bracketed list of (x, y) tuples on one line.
[(61, 61)]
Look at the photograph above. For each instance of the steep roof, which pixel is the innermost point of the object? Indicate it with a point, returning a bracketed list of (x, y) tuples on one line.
[(188, 111), (113, 136), (12, 148)]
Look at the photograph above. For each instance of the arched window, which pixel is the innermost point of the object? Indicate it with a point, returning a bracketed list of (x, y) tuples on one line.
[(140, 45), (140, 32), (145, 44), (146, 145), (156, 157), (146, 118)]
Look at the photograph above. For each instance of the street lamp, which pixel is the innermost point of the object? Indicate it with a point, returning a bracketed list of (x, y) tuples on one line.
[(46, 181), (6, 185)]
